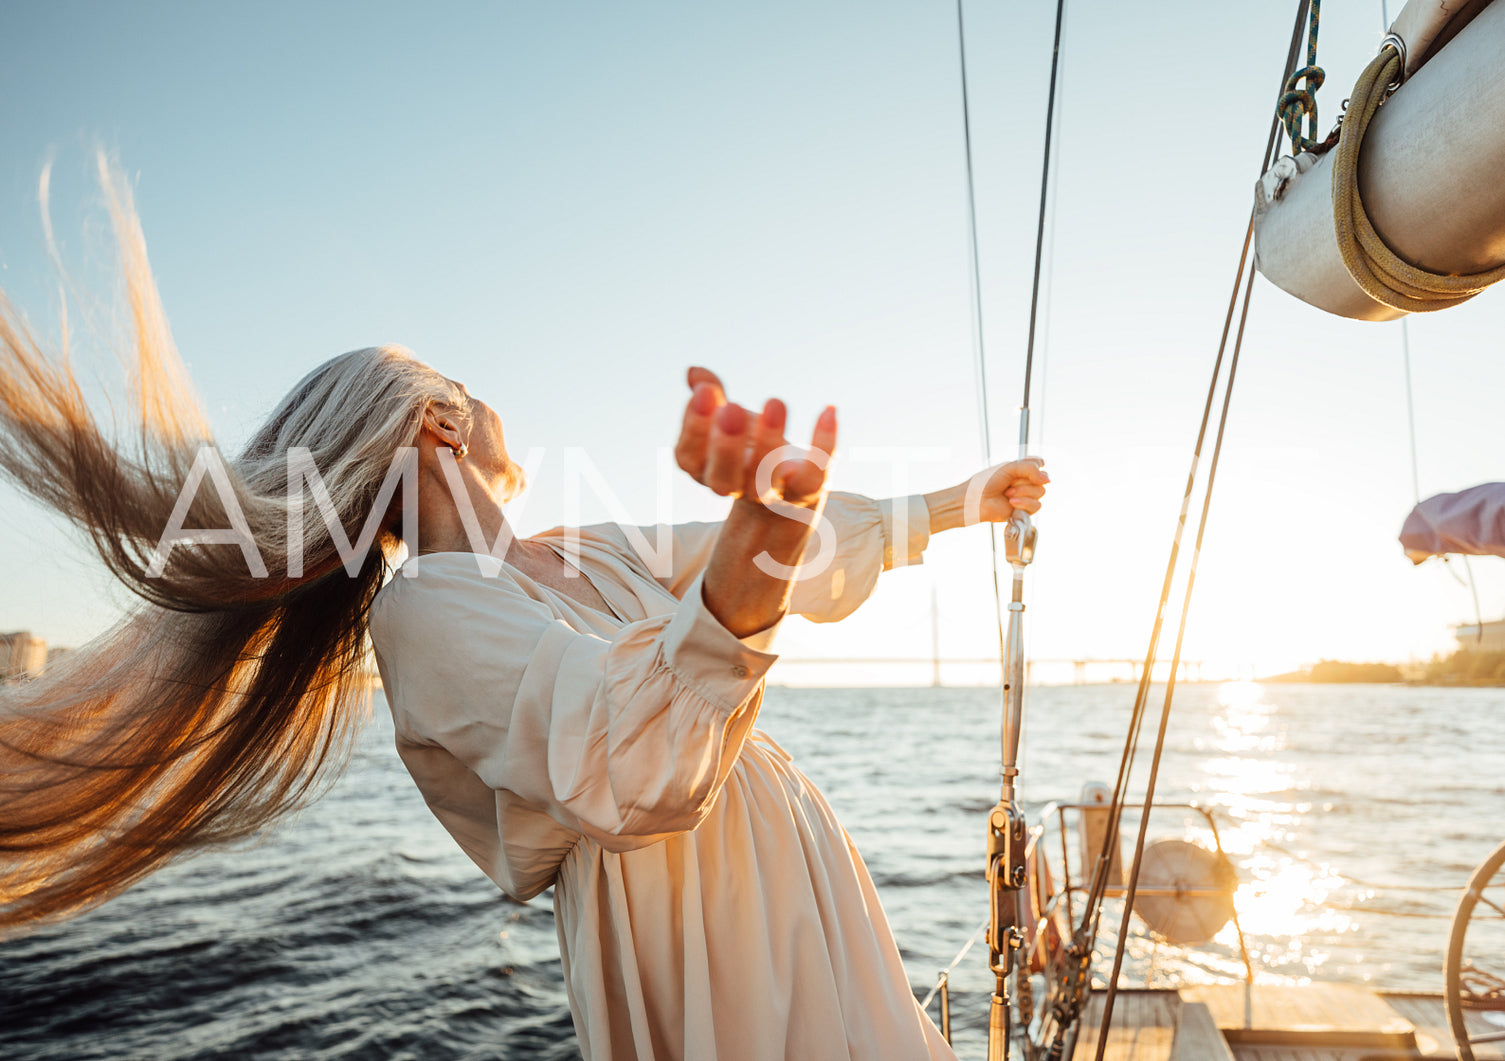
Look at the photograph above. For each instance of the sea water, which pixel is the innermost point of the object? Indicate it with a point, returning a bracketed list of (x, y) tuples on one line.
[(1353, 814)]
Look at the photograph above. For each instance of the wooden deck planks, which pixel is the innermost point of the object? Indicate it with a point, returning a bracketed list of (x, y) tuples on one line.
[(1433, 1038), (1144, 1026), (1278, 1052), (1308, 1015), (1197, 1036), (1315, 1022)]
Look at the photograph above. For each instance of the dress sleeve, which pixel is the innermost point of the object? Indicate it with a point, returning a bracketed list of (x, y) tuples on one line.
[(871, 537), (625, 740)]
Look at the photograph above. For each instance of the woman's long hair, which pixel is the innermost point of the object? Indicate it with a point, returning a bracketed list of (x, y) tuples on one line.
[(222, 700)]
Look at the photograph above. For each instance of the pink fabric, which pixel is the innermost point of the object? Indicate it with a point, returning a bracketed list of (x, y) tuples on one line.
[(1471, 521)]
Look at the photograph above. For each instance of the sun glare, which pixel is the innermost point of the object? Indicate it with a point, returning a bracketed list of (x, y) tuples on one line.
[(1240, 695), (1281, 898)]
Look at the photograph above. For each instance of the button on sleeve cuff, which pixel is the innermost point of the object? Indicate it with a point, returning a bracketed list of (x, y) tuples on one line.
[(710, 659)]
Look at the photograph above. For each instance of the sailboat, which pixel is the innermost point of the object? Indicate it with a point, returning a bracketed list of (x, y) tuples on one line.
[(1400, 209)]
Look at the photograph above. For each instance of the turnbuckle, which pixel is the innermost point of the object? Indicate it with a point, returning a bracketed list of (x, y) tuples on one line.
[(1019, 539), (1007, 834)]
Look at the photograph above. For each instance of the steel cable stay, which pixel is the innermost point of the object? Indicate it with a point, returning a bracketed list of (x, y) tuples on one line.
[(1170, 688), (1071, 993), (1076, 975), (1070, 977), (1007, 827), (978, 341)]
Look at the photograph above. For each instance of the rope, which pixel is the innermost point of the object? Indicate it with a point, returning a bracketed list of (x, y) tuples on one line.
[(1382, 274), (1300, 101)]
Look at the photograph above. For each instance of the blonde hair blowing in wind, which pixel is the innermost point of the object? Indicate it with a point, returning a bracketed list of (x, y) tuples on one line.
[(222, 700)]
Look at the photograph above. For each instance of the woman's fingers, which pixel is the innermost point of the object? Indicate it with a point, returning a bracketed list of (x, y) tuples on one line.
[(767, 436), (698, 375), (800, 480), (726, 451), (722, 445), (824, 436), (994, 493), (1024, 484), (1028, 484), (695, 431), (770, 428), (1030, 468)]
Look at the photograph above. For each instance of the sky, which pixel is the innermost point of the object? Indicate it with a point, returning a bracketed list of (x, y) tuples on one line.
[(566, 205)]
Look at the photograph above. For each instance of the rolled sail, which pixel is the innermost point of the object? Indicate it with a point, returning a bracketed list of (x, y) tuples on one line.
[(1431, 172)]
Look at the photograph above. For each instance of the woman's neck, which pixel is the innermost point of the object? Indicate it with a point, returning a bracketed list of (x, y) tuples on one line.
[(476, 523), (471, 523)]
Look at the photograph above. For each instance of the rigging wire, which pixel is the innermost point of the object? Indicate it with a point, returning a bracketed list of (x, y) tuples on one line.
[(1093, 908), (1005, 869), (1473, 587), (1126, 760), (1405, 346), (1034, 297), (1050, 287), (979, 347), (966, 947), (1170, 682), (1037, 420)]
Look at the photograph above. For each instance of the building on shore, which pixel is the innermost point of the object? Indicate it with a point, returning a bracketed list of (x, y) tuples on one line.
[(22, 656), (1471, 638)]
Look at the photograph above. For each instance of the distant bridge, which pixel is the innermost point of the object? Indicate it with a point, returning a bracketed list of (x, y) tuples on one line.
[(1188, 670)]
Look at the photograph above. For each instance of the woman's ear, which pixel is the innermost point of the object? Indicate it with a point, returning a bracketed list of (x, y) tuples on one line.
[(444, 425)]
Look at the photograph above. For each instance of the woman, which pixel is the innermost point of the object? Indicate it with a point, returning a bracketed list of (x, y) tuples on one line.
[(576, 714)]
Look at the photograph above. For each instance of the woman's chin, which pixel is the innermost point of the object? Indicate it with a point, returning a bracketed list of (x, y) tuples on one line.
[(513, 482)]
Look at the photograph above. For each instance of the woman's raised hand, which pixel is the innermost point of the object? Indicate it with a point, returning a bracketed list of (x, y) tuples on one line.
[(722, 445), (998, 491), (990, 496)]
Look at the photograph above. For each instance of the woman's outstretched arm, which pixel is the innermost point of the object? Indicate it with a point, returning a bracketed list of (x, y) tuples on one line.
[(990, 496), (723, 446)]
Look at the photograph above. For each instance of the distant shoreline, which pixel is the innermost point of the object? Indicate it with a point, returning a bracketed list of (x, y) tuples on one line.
[(1463, 668)]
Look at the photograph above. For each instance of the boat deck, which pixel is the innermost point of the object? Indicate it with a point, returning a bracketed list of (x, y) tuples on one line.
[(1314, 1022)]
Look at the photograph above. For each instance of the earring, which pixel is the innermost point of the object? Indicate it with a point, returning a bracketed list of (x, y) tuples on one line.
[(460, 450)]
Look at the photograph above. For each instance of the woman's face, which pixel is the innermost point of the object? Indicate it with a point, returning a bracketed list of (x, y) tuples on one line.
[(486, 448)]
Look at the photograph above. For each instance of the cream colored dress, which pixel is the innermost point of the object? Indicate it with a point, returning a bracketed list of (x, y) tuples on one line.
[(709, 905)]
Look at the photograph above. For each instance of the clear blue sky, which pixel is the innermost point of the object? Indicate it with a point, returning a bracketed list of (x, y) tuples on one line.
[(564, 205)]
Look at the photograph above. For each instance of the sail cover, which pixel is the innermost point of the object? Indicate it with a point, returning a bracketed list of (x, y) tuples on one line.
[(1471, 521)]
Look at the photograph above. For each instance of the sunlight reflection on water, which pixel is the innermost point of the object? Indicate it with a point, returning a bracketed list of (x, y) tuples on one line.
[(1352, 814), (1281, 899)]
